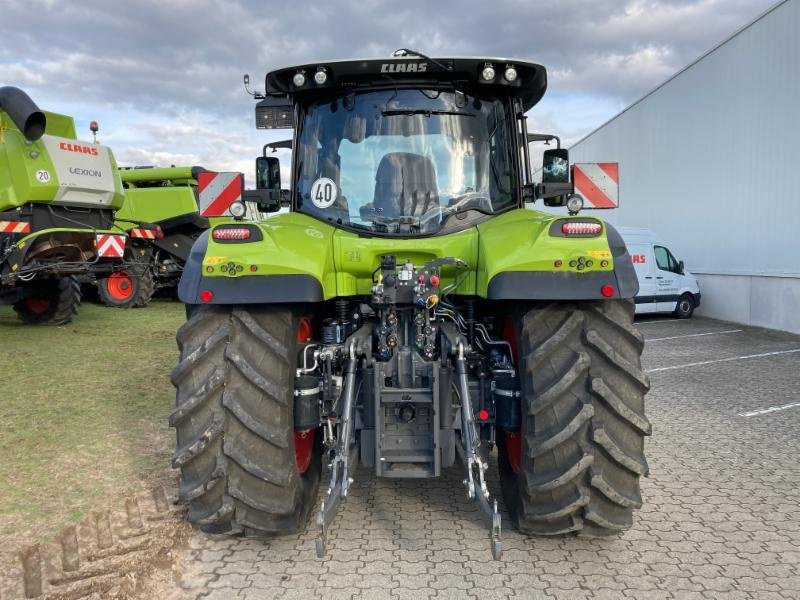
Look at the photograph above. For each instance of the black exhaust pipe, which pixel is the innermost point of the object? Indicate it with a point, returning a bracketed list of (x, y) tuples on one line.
[(23, 112)]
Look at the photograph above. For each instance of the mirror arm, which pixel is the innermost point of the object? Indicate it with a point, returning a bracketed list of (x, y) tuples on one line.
[(551, 190)]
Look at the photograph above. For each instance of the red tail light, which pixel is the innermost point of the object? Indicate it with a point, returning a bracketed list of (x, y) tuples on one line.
[(581, 228), (231, 233)]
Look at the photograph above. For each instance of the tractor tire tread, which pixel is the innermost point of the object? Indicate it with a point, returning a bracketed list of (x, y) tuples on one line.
[(233, 416), (584, 422)]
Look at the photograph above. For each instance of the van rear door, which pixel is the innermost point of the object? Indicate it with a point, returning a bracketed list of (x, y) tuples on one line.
[(642, 258)]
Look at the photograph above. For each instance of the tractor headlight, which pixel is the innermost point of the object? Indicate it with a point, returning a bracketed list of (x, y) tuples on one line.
[(488, 73), (574, 204), (237, 210), (510, 74), (299, 79), (320, 77)]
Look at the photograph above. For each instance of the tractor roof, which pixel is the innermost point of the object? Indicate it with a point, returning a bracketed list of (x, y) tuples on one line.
[(363, 74)]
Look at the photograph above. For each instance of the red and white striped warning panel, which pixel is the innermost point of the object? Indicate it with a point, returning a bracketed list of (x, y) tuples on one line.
[(15, 227), (598, 183), (142, 234), (217, 191), (110, 245)]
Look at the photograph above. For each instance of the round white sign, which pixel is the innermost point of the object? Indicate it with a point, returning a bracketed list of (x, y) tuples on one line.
[(42, 176), (324, 192)]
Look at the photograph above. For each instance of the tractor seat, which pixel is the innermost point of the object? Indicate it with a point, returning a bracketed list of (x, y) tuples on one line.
[(405, 184)]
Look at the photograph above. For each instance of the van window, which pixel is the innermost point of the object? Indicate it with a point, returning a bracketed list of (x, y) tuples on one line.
[(665, 260)]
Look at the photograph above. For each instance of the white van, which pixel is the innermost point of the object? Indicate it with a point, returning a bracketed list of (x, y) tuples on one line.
[(664, 284)]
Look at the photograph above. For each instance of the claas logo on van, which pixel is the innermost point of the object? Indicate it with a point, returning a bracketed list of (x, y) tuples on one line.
[(638, 259)]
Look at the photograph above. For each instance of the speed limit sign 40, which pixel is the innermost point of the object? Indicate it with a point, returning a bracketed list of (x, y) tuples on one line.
[(324, 192)]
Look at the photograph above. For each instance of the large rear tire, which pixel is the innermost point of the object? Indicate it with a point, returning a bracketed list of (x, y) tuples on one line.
[(583, 423), (53, 301), (234, 422)]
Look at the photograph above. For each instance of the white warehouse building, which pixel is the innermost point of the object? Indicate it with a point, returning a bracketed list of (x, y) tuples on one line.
[(710, 160)]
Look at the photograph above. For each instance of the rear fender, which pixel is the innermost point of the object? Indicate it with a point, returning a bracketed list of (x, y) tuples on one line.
[(288, 259), (524, 258)]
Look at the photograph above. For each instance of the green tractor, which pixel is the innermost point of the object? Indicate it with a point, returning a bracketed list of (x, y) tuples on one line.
[(409, 313), (165, 198), (57, 201)]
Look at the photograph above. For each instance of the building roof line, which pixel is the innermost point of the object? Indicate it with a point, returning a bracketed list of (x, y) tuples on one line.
[(686, 68)]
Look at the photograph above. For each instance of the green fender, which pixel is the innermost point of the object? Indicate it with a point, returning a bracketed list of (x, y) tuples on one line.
[(518, 255)]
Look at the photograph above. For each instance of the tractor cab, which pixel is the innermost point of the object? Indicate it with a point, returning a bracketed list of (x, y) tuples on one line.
[(407, 146)]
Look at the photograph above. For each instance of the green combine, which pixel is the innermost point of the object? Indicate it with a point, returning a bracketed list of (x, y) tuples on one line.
[(57, 201), (165, 198), (410, 313)]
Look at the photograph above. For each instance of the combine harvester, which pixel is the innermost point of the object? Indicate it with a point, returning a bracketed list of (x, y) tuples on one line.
[(57, 201), (166, 198)]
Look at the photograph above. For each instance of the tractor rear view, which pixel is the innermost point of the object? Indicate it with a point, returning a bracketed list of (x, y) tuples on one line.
[(57, 201), (409, 313)]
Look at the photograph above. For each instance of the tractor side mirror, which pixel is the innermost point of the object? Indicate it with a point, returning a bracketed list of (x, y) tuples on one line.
[(555, 186), (681, 268), (555, 166), (268, 173)]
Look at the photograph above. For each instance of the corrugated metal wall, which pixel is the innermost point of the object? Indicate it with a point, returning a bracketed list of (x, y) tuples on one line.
[(710, 160)]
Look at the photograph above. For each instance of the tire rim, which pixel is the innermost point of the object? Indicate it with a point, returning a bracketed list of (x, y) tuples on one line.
[(37, 305), (304, 440), (513, 439), (685, 306), (304, 449), (119, 286)]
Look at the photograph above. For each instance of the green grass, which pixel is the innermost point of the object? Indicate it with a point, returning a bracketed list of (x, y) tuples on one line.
[(83, 414)]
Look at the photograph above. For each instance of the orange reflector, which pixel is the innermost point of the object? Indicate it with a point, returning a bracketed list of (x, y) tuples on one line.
[(254, 268), (206, 296)]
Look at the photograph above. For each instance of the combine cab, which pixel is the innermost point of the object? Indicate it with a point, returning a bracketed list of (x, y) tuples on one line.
[(410, 313), (57, 201)]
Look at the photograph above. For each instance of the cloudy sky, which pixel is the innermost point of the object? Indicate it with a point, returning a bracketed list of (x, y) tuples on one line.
[(164, 78)]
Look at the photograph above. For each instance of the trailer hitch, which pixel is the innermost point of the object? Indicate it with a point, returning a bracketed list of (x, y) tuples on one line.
[(345, 454), (476, 466)]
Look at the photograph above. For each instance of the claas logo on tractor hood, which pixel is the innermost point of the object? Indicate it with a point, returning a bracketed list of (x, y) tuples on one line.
[(80, 148)]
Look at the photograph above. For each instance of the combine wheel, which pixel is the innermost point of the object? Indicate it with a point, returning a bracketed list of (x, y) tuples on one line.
[(243, 467), (54, 302), (123, 290), (576, 463)]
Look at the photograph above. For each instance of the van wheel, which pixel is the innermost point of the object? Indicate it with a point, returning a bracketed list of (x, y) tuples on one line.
[(685, 307)]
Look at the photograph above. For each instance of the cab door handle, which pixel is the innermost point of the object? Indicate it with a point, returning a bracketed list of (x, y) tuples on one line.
[(659, 278), (649, 277)]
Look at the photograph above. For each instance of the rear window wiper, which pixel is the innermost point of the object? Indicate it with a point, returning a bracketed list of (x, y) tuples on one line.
[(427, 113)]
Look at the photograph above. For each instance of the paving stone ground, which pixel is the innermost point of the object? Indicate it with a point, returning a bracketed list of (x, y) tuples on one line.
[(721, 518)]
